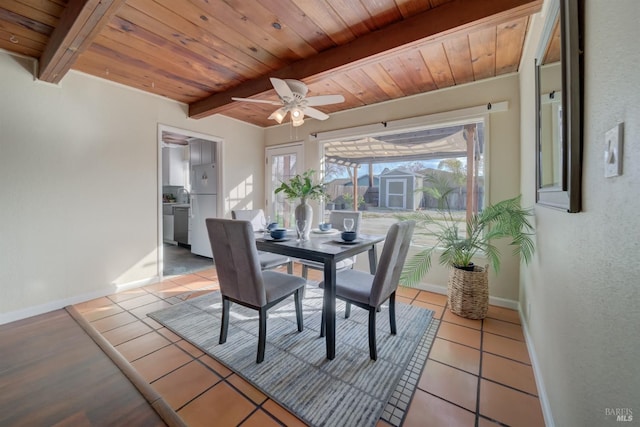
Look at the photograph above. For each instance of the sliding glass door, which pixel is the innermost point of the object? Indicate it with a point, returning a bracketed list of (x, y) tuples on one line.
[(282, 162)]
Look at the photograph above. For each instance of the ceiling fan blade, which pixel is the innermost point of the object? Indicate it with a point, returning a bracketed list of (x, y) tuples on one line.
[(282, 88), (261, 101), (316, 114), (324, 99)]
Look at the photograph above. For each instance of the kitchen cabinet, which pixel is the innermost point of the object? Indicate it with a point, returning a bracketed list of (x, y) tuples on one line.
[(175, 167), (202, 152)]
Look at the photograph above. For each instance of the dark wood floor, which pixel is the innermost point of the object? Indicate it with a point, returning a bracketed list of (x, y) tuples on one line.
[(53, 373)]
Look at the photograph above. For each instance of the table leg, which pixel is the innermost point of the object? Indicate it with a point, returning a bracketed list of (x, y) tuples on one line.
[(329, 307), (373, 260)]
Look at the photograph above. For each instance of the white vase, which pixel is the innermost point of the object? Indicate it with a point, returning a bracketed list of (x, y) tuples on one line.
[(304, 212)]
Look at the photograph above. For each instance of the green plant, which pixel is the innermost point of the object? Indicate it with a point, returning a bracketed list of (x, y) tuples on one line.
[(348, 199), (302, 187), (440, 189), (505, 219)]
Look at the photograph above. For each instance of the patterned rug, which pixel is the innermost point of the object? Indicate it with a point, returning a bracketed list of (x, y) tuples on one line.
[(351, 390)]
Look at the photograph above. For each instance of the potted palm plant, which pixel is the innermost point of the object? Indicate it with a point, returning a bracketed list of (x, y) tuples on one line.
[(460, 240), (303, 187)]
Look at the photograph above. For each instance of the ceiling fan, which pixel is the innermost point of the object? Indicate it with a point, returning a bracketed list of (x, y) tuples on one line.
[(293, 99)]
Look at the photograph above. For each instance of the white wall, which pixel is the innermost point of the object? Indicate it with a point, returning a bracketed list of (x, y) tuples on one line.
[(503, 151), (79, 185), (583, 286)]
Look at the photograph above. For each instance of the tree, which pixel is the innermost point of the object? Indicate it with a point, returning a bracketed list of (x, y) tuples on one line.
[(416, 166), (459, 171), (333, 171)]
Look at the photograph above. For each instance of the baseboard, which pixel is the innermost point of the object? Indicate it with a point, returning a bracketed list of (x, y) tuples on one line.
[(500, 302), (137, 283), (542, 391), (35, 310), (504, 302)]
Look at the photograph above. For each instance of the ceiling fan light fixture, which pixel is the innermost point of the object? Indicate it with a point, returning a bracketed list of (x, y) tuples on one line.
[(297, 117), (297, 113), (278, 115)]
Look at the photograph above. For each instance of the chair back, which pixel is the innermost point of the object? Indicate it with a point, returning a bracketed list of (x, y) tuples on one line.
[(236, 258), (336, 219), (255, 216), (391, 263)]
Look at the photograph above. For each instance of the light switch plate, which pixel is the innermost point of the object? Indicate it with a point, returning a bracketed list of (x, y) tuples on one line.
[(613, 151)]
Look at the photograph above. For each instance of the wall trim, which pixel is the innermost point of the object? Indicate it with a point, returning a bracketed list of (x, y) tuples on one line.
[(36, 310), (537, 373), (500, 302)]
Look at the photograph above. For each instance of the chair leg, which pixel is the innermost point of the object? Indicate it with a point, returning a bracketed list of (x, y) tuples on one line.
[(290, 267), (347, 310), (373, 354), (392, 313), (224, 327), (305, 271), (262, 333), (298, 300), (322, 319)]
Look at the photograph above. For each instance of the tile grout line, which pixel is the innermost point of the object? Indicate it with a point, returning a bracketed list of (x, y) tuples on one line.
[(259, 406), (479, 373), (223, 379), (440, 322), (196, 359)]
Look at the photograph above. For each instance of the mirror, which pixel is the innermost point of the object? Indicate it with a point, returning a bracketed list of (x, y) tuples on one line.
[(559, 107)]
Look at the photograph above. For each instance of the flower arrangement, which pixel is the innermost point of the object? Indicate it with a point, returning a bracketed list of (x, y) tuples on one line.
[(302, 187)]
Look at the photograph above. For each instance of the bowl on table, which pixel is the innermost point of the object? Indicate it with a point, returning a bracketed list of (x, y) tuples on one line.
[(349, 236), (278, 233), (325, 226), (272, 226)]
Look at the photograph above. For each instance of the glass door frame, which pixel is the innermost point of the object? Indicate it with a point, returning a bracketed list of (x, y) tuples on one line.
[(295, 148)]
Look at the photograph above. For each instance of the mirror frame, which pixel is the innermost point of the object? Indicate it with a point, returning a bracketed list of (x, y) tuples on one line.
[(568, 195)]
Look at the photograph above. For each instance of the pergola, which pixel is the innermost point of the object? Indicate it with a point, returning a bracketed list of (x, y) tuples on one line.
[(439, 143)]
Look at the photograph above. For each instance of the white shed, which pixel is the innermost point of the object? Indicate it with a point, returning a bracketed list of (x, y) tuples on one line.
[(397, 189)]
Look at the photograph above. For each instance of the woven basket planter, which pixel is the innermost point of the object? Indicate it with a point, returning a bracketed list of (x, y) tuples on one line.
[(468, 292)]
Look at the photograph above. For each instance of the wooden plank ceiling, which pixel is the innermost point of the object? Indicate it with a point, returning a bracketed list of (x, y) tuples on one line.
[(203, 52)]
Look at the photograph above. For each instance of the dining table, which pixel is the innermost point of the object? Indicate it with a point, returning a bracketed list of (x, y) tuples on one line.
[(328, 249)]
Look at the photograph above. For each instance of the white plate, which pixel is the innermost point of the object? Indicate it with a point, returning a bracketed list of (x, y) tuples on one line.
[(331, 231)]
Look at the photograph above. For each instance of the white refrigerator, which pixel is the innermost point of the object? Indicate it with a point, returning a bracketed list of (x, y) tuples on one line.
[(204, 188)]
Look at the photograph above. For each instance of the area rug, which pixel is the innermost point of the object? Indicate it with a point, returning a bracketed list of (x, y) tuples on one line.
[(351, 390)]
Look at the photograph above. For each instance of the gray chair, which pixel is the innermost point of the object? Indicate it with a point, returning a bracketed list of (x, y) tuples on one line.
[(268, 261), (336, 219), (371, 291), (242, 280)]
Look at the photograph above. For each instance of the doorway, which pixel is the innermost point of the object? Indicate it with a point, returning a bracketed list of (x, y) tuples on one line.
[(181, 238), (282, 163)]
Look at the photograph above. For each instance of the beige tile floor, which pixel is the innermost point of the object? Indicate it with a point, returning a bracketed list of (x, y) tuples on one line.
[(477, 370)]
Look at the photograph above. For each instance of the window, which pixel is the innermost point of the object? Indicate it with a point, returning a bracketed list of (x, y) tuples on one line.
[(430, 168)]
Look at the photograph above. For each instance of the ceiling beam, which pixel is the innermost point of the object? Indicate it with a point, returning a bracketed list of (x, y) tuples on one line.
[(80, 23), (432, 26)]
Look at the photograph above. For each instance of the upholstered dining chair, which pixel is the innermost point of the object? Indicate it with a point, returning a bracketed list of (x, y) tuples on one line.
[(241, 279), (336, 219), (371, 291), (268, 261)]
